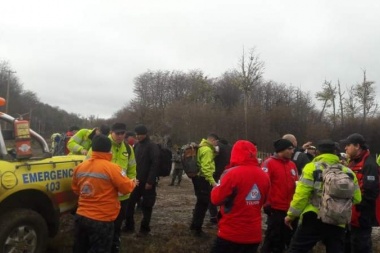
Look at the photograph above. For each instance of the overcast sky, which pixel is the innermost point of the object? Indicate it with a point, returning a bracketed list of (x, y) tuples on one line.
[(83, 55)]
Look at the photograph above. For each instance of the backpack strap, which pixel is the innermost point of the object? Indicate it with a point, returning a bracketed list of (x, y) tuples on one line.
[(317, 187), (129, 151), (295, 157)]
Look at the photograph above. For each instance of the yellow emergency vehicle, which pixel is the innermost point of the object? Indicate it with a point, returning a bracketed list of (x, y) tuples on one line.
[(35, 187)]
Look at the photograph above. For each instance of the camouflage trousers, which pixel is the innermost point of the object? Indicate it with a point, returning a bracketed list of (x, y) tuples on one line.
[(92, 236)]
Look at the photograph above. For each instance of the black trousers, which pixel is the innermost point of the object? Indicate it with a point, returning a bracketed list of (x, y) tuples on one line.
[(277, 235), (91, 236), (202, 189), (117, 226), (312, 230), (148, 201), (359, 240), (224, 246)]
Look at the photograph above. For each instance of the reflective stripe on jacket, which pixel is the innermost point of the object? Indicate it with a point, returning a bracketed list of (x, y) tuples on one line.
[(307, 186), (79, 141)]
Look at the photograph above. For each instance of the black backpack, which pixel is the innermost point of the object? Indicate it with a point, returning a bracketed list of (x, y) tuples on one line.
[(165, 161)]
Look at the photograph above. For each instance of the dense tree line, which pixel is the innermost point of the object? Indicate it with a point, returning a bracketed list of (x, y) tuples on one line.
[(241, 104), (238, 104)]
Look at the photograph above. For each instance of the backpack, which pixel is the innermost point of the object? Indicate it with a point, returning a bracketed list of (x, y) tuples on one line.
[(335, 205), (189, 159), (165, 161)]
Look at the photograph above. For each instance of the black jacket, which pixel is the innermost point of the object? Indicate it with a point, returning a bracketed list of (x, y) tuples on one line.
[(367, 172), (147, 161), (300, 158), (222, 159)]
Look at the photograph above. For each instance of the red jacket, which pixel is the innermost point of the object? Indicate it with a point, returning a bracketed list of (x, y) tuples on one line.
[(283, 176), (242, 192), (367, 172)]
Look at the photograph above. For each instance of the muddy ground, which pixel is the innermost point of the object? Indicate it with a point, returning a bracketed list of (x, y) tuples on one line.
[(170, 226)]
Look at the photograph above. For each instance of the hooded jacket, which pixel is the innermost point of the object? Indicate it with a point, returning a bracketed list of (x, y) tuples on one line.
[(205, 161), (97, 181), (283, 176), (242, 192)]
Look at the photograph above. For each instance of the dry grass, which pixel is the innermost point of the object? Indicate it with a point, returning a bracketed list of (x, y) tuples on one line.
[(170, 226)]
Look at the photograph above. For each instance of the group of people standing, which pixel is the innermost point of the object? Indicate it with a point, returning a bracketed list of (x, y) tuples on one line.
[(288, 186), (113, 178)]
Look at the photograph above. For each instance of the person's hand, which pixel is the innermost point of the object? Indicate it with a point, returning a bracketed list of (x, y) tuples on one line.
[(288, 222), (306, 145), (84, 152), (136, 181), (148, 186)]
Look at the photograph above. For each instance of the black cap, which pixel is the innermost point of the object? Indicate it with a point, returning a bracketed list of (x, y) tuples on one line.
[(141, 130), (354, 139), (119, 128), (101, 143), (326, 146), (282, 144)]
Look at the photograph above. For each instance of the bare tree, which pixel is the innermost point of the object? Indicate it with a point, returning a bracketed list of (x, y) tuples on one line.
[(251, 71), (327, 96), (341, 107), (365, 95), (350, 105)]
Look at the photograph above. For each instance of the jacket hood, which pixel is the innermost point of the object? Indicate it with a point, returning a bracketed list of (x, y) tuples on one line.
[(328, 158), (101, 155), (243, 153), (204, 142)]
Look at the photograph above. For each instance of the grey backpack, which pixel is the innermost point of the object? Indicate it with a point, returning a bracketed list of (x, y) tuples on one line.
[(337, 194)]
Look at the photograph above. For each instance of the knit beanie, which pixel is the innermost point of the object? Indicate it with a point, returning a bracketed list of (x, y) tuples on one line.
[(141, 129), (282, 144), (101, 143)]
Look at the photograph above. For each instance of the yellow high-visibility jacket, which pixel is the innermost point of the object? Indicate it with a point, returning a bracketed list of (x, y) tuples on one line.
[(306, 187), (79, 141)]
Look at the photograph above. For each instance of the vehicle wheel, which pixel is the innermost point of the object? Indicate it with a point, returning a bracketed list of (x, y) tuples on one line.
[(23, 230)]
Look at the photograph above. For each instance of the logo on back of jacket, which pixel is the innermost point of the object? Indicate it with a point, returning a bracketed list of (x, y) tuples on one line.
[(254, 196)]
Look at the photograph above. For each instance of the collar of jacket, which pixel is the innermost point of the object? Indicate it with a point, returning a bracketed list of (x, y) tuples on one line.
[(114, 143), (101, 155), (277, 157), (327, 158), (360, 157), (146, 139), (204, 143)]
